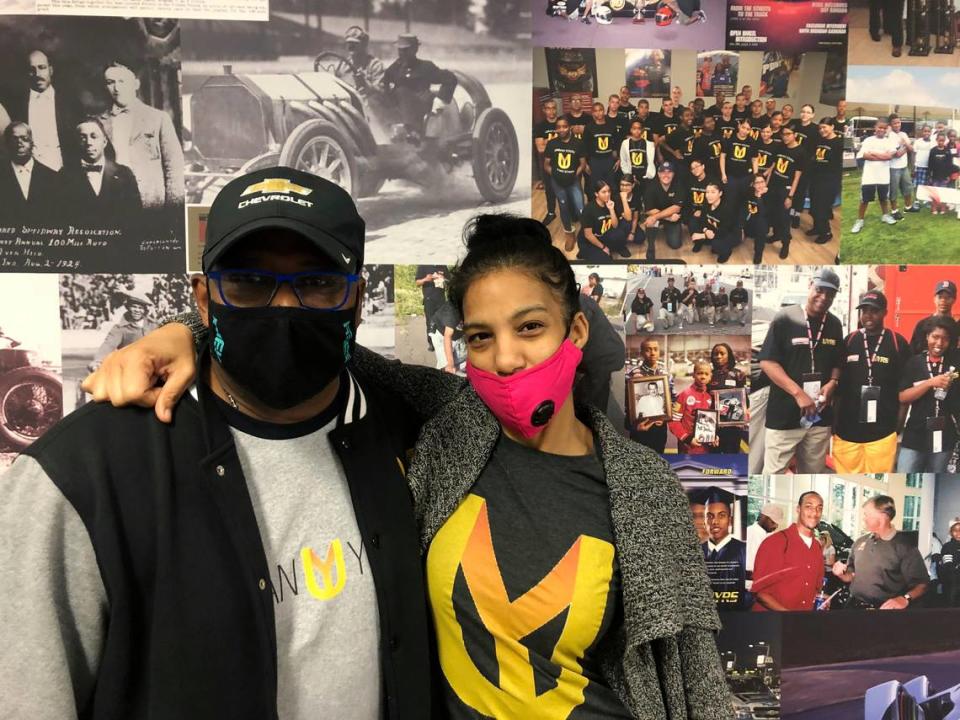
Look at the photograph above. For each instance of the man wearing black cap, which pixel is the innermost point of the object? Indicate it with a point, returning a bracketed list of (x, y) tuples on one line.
[(258, 556), (669, 304), (944, 296), (662, 203), (739, 300), (410, 79), (868, 407), (801, 356), (726, 556), (365, 70)]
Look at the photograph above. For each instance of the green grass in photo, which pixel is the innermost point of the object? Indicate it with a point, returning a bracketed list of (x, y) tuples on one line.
[(920, 238)]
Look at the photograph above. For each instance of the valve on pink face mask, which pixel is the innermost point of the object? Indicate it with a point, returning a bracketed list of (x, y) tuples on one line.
[(526, 401)]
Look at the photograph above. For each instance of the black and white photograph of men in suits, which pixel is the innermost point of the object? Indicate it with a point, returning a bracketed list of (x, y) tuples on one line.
[(91, 164), (28, 188)]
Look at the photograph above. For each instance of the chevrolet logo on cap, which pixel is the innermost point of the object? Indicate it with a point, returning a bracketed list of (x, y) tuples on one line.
[(276, 185)]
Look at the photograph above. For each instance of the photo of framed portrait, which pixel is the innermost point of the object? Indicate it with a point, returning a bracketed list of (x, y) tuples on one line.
[(705, 428), (572, 70), (649, 397), (731, 405)]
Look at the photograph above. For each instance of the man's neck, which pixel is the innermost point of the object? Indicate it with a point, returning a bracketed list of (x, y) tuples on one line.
[(22, 162), (875, 331), (228, 391), (887, 533)]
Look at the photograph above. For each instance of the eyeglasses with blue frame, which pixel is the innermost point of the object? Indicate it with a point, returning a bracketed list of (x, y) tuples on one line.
[(315, 290)]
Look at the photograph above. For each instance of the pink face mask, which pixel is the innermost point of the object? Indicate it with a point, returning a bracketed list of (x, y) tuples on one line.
[(526, 401)]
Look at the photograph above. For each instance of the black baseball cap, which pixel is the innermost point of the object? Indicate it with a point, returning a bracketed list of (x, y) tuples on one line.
[(946, 286), (281, 197), (874, 299), (825, 277), (667, 165)]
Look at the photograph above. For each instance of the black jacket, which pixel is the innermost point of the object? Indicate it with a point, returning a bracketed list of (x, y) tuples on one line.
[(117, 205), (43, 194), (190, 632)]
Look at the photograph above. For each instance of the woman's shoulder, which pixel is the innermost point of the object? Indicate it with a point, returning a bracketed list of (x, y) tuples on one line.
[(623, 458)]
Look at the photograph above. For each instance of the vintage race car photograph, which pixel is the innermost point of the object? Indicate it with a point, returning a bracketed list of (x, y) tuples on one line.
[(422, 132)]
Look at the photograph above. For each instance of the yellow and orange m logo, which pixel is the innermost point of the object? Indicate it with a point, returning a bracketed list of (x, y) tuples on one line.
[(783, 165), (465, 542), (698, 197), (821, 154), (333, 572)]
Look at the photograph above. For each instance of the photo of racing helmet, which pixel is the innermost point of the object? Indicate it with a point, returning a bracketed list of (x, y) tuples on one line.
[(602, 13), (665, 15)]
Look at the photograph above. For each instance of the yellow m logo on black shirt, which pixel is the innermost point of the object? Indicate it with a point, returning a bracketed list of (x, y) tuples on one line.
[(821, 154), (636, 157), (752, 207), (564, 160), (783, 164), (605, 225), (762, 160), (464, 547), (739, 151), (603, 143), (698, 196)]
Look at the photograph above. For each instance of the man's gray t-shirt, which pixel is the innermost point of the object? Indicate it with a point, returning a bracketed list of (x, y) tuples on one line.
[(885, 568), (325, 605)]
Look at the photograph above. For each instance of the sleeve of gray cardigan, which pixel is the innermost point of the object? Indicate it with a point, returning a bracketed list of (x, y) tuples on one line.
[(53, 605), (705, 685), (424, 389)]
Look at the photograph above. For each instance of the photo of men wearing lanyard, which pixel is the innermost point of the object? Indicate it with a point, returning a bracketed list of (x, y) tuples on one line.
[(927, 387), (801, 357), (868, 404)]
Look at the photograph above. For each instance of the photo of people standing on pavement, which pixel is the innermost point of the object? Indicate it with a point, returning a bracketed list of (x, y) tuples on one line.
[(842, 388)]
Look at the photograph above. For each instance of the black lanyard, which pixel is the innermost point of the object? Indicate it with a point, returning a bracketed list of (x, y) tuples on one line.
[(814, 343), (871, 356), (936, 403)]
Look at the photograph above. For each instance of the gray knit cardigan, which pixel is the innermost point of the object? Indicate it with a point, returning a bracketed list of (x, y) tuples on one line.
[(663, 663)]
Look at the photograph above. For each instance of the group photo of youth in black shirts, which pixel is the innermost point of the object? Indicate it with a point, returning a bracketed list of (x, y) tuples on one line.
[(745, 179), (857, 376)]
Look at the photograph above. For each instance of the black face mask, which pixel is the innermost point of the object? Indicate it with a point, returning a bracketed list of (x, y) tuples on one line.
[(281, 356)]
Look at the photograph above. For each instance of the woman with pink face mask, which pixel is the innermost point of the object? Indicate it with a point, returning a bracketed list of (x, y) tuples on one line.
[(564, 574)]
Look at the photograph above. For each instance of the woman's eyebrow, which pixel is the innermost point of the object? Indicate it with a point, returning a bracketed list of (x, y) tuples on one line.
[(515, 316)]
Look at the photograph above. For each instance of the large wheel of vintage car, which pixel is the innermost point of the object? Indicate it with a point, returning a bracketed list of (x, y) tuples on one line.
[(496, 155), (319, 147), (31, 401)]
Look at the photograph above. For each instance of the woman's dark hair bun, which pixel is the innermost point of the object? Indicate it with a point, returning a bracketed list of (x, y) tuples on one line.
[(502, 241), (498, 227)]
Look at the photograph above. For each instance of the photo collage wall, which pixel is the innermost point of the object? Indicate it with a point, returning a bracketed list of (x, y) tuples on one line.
[(759, 199)]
